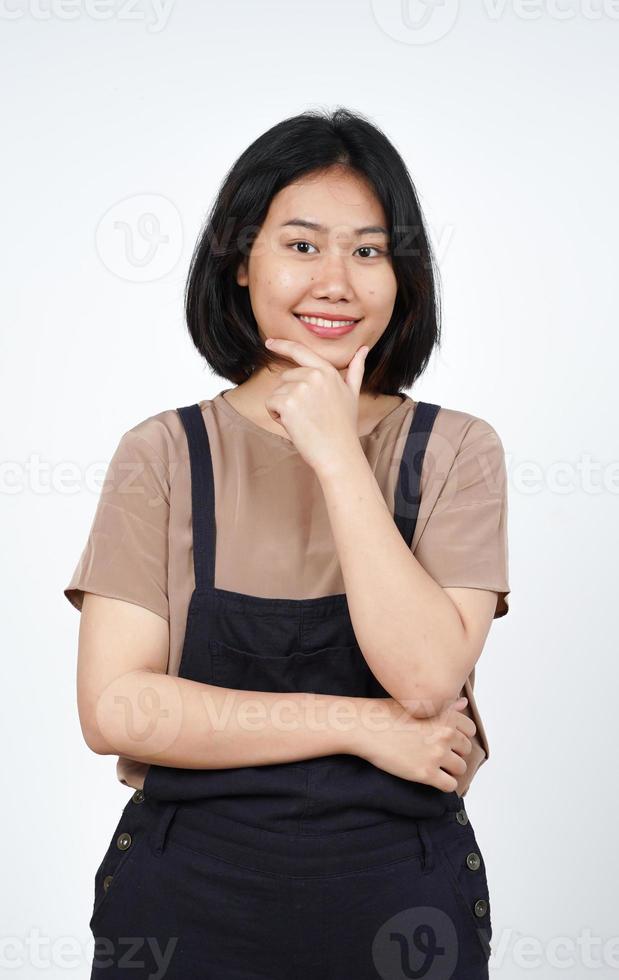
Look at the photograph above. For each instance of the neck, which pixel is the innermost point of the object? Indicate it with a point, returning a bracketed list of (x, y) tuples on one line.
[(249, 397)]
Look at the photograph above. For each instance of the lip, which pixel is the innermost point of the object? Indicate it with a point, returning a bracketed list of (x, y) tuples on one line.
[(328, 316), (329, 333)]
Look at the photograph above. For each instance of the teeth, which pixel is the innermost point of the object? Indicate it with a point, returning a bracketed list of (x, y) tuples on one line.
[(318, 322)]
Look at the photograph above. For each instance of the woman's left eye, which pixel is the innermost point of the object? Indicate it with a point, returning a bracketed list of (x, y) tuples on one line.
[(366, 247)]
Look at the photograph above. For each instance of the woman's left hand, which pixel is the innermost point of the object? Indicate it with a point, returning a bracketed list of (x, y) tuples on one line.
[(316, 406)]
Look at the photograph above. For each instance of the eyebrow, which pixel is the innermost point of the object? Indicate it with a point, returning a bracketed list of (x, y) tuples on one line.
[(313, 226)]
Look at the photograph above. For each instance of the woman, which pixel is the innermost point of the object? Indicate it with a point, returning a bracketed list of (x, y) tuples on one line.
[(284, 592)]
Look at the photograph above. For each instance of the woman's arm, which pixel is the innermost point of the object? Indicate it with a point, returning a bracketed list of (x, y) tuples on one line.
[(420, 640), (129, 706)]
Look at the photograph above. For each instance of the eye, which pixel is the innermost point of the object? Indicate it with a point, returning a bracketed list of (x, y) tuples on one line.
[(360, 249), (366, 247), (292, 245)]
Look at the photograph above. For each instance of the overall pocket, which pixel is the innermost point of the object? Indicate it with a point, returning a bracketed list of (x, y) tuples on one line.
[(338, 670)]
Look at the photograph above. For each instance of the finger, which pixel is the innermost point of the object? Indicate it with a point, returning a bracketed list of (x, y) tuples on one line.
[(295, 351), (356, 369), (462, 744), (456, 764), (274, 405), (466, 724)]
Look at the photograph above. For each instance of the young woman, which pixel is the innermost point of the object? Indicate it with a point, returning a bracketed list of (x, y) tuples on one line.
[(284, 592)]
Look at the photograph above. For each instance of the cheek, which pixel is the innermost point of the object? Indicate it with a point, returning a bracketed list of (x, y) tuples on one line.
[(270, 269), (380, 293), (273, 296), (278, 287), (265, 275)]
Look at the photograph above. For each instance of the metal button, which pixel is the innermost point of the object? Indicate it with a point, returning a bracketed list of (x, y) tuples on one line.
[(481, 907), (107, 881), (473, 860), (462, 816), (138, 796), (123, 841)]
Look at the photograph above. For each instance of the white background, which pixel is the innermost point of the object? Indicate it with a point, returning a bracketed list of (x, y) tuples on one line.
[(506, 117)]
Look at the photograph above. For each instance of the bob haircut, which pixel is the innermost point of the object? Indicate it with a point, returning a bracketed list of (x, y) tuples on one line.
[(218, 310)]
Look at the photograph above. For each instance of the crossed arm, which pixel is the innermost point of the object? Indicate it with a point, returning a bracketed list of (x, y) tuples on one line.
[(420, 640)]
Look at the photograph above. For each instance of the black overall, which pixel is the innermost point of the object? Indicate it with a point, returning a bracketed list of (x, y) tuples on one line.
[(324, 867)]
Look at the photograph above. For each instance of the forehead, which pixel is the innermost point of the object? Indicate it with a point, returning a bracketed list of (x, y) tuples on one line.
[(333, 199)]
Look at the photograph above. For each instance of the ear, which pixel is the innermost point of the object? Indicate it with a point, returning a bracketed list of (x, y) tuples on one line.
[(241, 273)]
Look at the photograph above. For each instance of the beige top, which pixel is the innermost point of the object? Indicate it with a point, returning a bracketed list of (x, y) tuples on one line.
[(274, 537)]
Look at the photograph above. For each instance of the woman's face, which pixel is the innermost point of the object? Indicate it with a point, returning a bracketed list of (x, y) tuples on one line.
[(338, 269)]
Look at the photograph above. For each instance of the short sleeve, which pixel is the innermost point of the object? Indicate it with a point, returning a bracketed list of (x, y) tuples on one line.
[(126, 553), (464, 542)]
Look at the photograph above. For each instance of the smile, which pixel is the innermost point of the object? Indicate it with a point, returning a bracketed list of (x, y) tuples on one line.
[(322, 327)]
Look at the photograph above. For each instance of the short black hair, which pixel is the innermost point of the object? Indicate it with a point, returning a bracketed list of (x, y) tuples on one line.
[(218, 311)]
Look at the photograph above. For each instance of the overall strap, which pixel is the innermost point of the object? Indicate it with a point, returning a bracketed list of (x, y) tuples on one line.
[(407, 492), (202, 495)]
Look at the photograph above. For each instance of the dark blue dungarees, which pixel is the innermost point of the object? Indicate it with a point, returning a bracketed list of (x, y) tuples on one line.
[(321, 868)]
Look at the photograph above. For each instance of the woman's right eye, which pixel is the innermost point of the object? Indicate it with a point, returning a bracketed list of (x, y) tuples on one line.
[(292, 245)]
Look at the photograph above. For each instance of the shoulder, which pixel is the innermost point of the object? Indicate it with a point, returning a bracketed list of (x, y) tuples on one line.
[(461, 430), (463, 442), (464, 461), (163, 433), (151, 450), (158, 434)]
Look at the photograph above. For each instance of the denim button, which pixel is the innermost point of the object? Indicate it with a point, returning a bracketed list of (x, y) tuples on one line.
[(481, 907), (107, 881), (473, 860), (123, 841), (461, 816), (138, 796)]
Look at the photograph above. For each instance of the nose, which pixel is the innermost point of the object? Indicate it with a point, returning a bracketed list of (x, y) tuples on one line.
[(331, 279)]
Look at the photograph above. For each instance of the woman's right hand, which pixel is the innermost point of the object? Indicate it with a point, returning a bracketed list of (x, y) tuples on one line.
[(425, 750)]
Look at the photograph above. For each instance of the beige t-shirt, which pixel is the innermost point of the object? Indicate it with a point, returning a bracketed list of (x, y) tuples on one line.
[(274, 537)]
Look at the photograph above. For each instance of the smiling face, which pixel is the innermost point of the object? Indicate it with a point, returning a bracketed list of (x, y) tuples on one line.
[(335, 262)]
